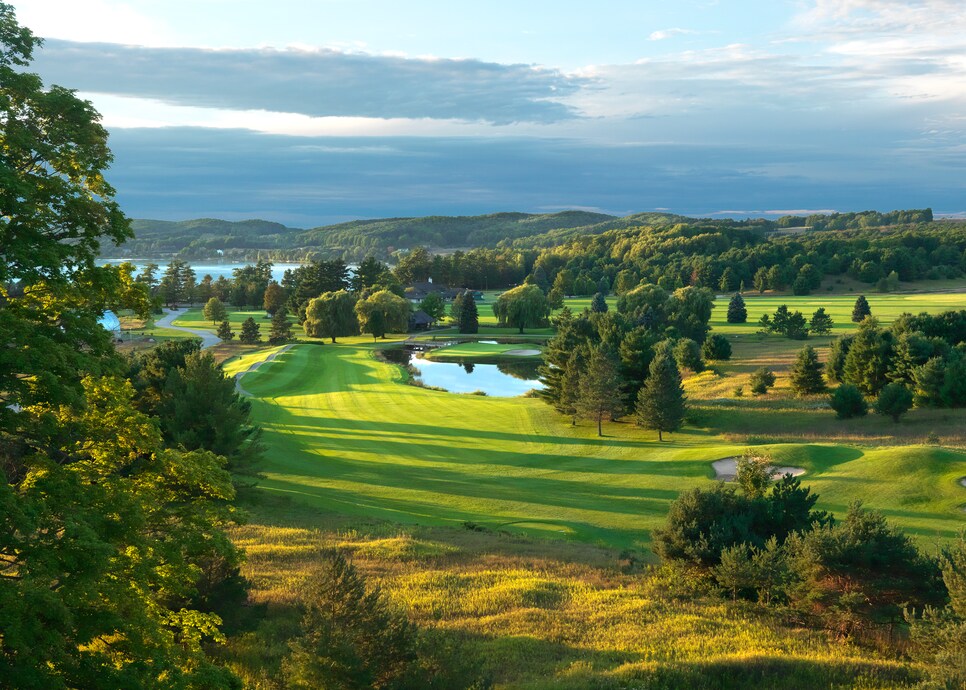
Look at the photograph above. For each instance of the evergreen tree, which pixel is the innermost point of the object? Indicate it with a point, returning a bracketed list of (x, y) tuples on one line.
[(456, 307), (867, 362), (806, 375), (848, 402), (555, 298), (716, 348), (661, 402), (894, 400), (687, 354), (737, 312), (469, 321), (249, 332), (281, 328), (600, 386), (928, 383), (224, 331), (761, 380), (215, 311), (821, 323), (598, 304), (603, 285), (861, 309)]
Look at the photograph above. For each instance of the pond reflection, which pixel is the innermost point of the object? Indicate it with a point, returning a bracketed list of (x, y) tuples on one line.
[(504, 380)]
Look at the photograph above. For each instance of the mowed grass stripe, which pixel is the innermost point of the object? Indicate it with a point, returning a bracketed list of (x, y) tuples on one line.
[(343, 433)]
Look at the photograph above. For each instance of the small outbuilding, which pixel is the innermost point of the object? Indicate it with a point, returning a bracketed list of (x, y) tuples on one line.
[(110, 323), (420, 321)]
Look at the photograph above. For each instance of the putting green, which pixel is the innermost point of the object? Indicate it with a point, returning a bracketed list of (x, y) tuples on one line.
[(345, 434), (480, 351)]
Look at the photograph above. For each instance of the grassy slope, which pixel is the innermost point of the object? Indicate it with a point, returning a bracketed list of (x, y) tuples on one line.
[(343, 434)]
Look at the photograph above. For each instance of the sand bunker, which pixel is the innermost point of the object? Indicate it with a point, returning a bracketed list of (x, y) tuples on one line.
[(522, 353), (726, 469), (963, 481)]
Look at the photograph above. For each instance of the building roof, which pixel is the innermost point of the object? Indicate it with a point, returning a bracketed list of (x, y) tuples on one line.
[(421, 318)]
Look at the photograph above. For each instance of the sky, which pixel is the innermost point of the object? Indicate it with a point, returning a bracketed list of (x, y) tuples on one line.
[(309, 112)]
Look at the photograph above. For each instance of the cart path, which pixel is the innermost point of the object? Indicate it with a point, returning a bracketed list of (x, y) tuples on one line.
[(208, 339)]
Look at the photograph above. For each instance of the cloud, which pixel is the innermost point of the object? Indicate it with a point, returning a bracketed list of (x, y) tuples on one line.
[(178, 173), (316, 83), (669, 33)]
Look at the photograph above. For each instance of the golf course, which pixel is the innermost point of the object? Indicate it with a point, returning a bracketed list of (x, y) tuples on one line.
[(345, 433)]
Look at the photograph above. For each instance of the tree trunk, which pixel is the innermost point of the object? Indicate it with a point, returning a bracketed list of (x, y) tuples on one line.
[(333, 339), (600, 415), (660, 437)]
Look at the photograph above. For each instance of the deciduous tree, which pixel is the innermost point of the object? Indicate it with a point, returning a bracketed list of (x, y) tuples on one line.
[(332, 315)]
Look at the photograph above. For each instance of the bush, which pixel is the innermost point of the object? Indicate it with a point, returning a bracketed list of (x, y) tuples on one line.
[(717, 348), (894, 401), (847, 401), (687, 354), (761, 380)]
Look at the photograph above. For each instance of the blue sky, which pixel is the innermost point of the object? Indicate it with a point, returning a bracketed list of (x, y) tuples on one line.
[(310, 112)]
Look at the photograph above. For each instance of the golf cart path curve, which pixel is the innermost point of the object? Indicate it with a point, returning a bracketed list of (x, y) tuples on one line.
[(254, 366), (208, 339)]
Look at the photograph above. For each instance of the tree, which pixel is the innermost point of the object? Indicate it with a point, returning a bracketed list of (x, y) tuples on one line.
[(821, 323), (598, 304), (281, 328), (367, 273), (215, 311), (894, 401), (555, 298), (433, 305), (332, 315), (382, 312), (224, 331), (599, 387), (101, 530), (660, 403), (737, 312), (760, 280), (861, 309), (687, 354), (753, 474), (249, 332), (469, 319), (806, 377), (716, 348), (522, 307), (867, 361), (728, 280), (848, 402), (275, 298), (761, 380)]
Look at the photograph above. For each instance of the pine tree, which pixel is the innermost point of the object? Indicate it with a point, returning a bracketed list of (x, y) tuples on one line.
[(600, 386), (249, 332), (737, 313), (807, 373), (469, 321), (598, 304), (224, 331), (660, 403), (456, 308), (861, 309), (281, 328), (821, 323), (894, 400)]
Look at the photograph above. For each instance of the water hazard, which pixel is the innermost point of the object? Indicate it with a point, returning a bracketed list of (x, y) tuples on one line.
[(503, 380)]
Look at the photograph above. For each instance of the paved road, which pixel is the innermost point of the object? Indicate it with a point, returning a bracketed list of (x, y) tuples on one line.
[(208, 339)]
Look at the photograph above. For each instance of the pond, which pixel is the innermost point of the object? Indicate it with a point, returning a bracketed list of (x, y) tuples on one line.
[(503, 380)]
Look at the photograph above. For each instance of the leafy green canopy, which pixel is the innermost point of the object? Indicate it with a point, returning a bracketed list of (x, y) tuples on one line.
[(104, 532)]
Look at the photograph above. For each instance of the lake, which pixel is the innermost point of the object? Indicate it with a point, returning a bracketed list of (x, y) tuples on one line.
[(504, 380), (216, 270)]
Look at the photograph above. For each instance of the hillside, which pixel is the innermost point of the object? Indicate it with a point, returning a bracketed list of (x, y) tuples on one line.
[(205, 237)]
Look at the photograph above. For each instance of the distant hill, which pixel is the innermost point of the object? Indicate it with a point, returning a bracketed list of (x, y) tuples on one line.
[(205, 237)]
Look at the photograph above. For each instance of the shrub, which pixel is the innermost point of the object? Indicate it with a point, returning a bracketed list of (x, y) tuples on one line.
[(761, 380), (894, 401), (687, 354), (716, 347), (847, 401)]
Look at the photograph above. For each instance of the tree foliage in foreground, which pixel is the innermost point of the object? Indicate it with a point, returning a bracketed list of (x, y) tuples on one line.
[(105, 533), (353, 638)]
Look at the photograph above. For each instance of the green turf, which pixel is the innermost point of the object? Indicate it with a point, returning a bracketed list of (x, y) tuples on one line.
[(480, 351), (344, 433)]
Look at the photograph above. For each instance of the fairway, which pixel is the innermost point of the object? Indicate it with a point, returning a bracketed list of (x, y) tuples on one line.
[(345, 434)]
